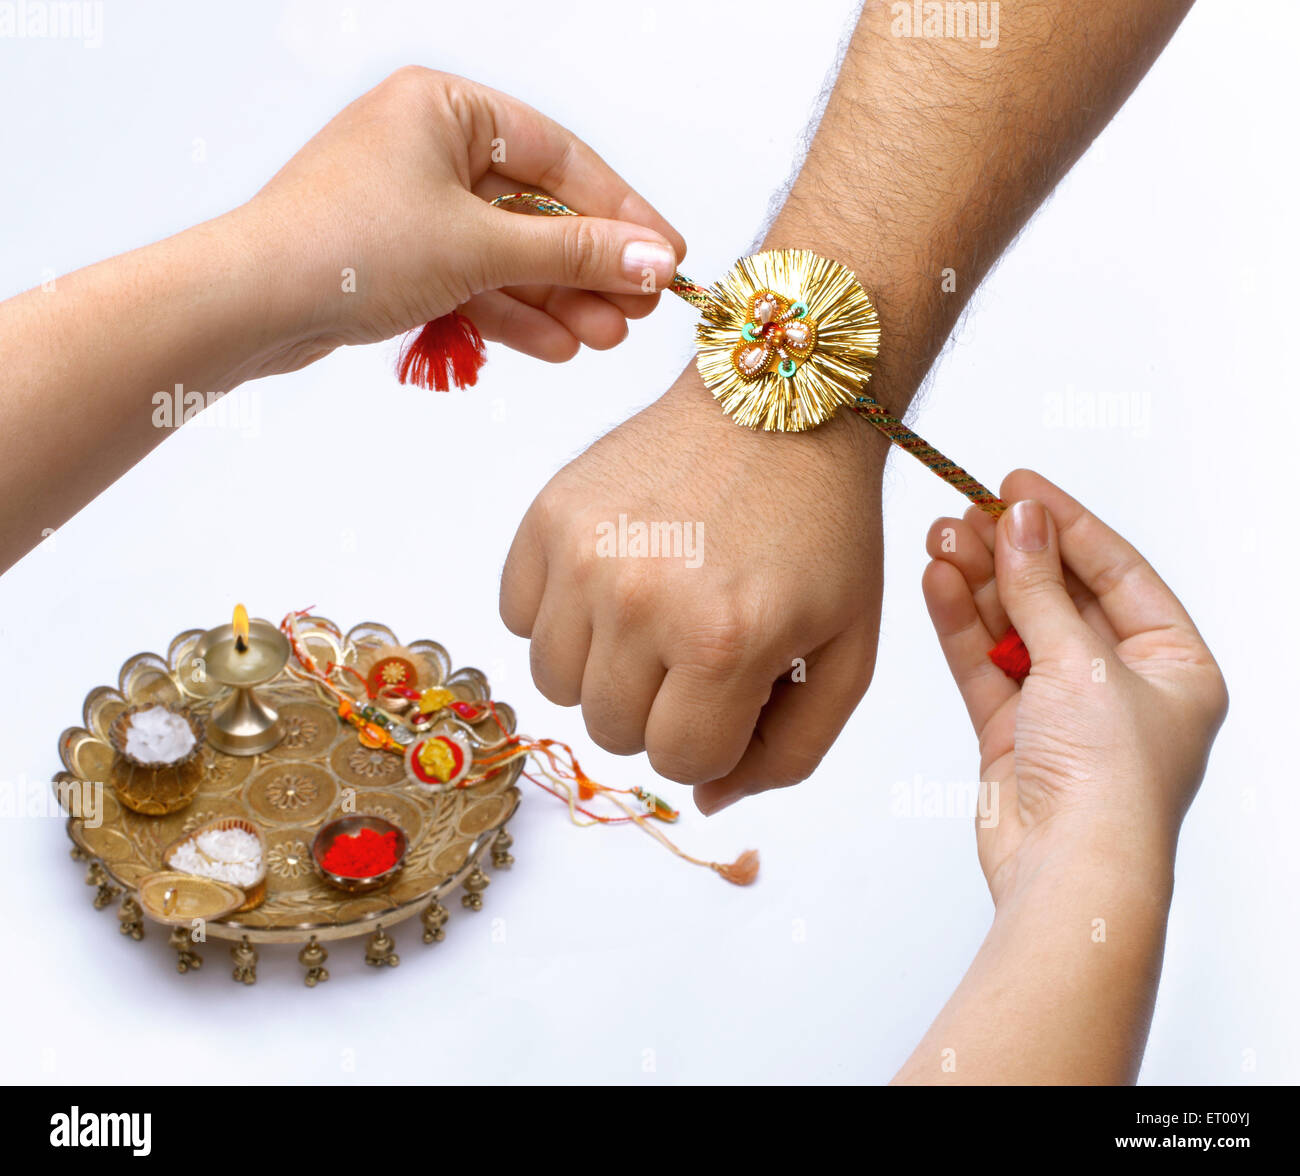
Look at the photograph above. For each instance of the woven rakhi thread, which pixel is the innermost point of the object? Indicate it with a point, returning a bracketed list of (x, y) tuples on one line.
[(934, 461)]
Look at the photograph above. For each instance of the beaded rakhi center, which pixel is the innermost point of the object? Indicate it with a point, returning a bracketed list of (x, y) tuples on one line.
[(780, 335)]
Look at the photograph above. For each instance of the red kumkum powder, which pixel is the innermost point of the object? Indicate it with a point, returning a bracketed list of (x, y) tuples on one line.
[(362, 854)]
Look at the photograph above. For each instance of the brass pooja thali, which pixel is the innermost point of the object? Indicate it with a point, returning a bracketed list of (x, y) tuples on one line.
[(318, 772)]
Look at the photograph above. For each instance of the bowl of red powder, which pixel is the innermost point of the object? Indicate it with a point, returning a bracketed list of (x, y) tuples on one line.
[(359, 853)]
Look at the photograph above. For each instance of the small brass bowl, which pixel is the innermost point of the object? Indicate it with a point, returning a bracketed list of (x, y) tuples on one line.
[(178, 899), (347, 827), (255, 891), (156, 789)]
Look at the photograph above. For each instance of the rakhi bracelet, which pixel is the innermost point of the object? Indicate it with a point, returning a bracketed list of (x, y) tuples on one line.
[(785, 340)]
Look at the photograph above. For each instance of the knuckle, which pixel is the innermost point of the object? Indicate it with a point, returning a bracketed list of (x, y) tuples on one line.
[(607, 334), (863, 676), (513, 617), (1113, 576), (582, 257), (633, 595), (515, 614), (611, 736), (1217, 700), (554, 174), (552, 683), (478, 271), (550, 686), (679, 765), (590, 561), (793, 766), (510, 617), (637, 306), (1037, 583), (548, 508), (720, 642), (586, 561), (409, 77), (561, 349), (514, 314)]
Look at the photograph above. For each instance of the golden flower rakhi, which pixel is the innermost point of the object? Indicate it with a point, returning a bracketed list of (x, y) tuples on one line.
[(784, 341)]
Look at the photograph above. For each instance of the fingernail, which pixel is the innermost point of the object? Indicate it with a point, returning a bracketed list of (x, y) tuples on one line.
[(648, 264), (717, 799), (1028, 526)]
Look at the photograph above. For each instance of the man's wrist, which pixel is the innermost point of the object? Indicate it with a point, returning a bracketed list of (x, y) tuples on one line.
[(904, 292), (842, 439)]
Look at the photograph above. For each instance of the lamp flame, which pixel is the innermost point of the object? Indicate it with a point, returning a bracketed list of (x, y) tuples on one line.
[(239, 622)]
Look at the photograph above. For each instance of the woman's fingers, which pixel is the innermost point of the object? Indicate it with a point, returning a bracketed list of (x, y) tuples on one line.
[(965, 640), (592, 319), (1132, 597), (619, 244), (539, 153), (959, 542), (585, 252), (1031, 583), (985, 526), (633, 306), (630, 306), (524, 328)]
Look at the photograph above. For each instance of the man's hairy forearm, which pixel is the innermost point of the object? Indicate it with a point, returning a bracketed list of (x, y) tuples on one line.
[(934, 152)]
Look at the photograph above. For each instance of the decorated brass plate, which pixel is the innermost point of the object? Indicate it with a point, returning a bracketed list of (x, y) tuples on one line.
[(319, 771)]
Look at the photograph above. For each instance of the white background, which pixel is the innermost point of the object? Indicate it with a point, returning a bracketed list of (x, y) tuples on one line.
[(1163, 272)]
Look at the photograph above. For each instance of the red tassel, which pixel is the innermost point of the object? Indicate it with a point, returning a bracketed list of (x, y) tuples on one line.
[(1010, 656), (446, 349)]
